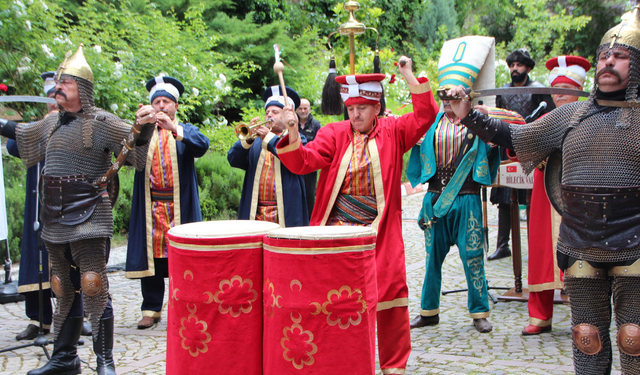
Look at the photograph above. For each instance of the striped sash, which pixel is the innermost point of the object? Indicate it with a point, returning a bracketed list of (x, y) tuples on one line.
[(354, 210)]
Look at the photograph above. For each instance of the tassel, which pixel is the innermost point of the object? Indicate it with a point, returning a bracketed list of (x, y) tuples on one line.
[(331, 99), (376, 69)]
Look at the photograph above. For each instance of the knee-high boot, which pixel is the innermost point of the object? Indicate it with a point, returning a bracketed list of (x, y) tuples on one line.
[(504, 229), (103, 347), (64, 360)]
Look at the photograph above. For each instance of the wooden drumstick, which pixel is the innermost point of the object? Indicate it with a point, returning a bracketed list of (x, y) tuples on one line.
[(278, 67)]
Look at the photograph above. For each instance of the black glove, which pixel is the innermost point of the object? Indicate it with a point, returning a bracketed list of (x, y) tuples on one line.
[(145, 134), (8, 128)]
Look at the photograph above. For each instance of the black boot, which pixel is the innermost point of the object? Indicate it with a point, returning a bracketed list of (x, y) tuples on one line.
[(64, 360), (504, 228), (103, 347)]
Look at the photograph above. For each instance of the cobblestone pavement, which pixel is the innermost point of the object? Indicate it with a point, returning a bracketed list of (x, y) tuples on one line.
[(452, 347)]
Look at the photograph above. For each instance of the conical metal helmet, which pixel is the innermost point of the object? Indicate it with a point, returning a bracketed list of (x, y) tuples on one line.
[(76, 65), (626, 32)]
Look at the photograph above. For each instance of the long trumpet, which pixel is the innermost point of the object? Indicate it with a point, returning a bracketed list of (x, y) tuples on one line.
[(243, 131)]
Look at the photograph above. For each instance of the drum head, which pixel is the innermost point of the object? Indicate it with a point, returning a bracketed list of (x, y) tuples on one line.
[(222, 228), (322, 233), (553, 179)]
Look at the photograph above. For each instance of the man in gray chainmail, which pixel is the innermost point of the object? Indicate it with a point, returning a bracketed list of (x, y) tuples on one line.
[(78, 144), (599, 242)]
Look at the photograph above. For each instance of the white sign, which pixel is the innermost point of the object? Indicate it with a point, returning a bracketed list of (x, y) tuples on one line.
[(512, 175)]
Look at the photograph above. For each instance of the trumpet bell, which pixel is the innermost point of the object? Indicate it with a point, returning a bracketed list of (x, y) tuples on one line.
[(243, 131)]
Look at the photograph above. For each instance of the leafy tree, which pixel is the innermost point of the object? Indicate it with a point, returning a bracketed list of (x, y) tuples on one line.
[(433, 21)]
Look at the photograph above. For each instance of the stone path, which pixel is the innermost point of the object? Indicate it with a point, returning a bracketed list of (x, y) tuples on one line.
[(452, 347)]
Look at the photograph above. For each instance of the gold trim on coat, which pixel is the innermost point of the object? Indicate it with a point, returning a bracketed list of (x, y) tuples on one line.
[(337, 185), (372, 147)]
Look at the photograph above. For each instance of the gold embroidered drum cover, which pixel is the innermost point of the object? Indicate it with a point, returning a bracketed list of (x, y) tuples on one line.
[(215, 297), (319, 301)]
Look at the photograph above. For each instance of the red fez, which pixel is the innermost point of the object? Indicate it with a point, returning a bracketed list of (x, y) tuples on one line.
[(568, 69), (361, 88)]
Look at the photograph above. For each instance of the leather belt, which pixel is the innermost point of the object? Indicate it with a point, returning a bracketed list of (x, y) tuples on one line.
[(441, 178), (607, 218), (68, 200)]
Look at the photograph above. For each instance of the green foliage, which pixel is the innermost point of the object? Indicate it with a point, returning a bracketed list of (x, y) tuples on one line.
[(14, 183), (549, 28), (122, 210), (220, 187), (434, 21)]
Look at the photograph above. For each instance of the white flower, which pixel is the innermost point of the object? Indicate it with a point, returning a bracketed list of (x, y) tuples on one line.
[(117, 74), (28, 24), (195, 91), (97, 48), (30, 2), (222, 78), (47, 51), (125, 90), (25, 61), (218, 83), (44, 6), (206, 121), (118, 67), (114, 107), (22, 69), (207, 102)]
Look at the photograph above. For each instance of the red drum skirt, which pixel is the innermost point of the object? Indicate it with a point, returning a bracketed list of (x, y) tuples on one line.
[(215, 297), (319, 301)]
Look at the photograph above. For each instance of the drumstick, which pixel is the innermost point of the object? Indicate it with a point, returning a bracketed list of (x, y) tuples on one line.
[(278, 67)]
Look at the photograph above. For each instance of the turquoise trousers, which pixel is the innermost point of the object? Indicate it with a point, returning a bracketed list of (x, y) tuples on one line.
[(461, 226)]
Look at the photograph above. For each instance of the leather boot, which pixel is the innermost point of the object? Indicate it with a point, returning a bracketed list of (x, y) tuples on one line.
[(504, 228), (64, 359), (103, 348), (423, 321)]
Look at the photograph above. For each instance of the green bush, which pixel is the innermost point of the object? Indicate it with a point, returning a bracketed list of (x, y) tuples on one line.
[(220, 187), (122, 210), (15, 174)]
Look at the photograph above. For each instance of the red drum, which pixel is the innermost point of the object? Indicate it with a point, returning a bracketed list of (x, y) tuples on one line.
[(319, 301), (215, 297)]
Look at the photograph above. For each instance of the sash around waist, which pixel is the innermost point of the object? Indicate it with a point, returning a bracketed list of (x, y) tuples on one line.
[(607, 218), (162, 195)]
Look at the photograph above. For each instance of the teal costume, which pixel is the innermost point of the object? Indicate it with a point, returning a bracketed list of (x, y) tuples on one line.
[(454, 217)]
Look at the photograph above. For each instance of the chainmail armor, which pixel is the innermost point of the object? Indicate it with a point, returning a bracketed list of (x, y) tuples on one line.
[(626, 298), (89, 255), (60, 266), (81, 146), (591, 304), (66, 156), (603, 150)]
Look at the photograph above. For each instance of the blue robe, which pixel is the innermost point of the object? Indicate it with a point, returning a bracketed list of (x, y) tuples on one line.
[(193, 145), (291, 196), (29, 263)]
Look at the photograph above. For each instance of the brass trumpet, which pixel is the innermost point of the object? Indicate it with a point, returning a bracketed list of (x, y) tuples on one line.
[(243, 131)]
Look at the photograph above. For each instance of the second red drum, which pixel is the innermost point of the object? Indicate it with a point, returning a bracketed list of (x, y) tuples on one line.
[(319, 301)]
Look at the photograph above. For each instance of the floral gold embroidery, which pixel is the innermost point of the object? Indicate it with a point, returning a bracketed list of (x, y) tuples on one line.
[(235, 296), (343, 307), (298, 345), (194, 333), (476, 266), (474, 234)]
